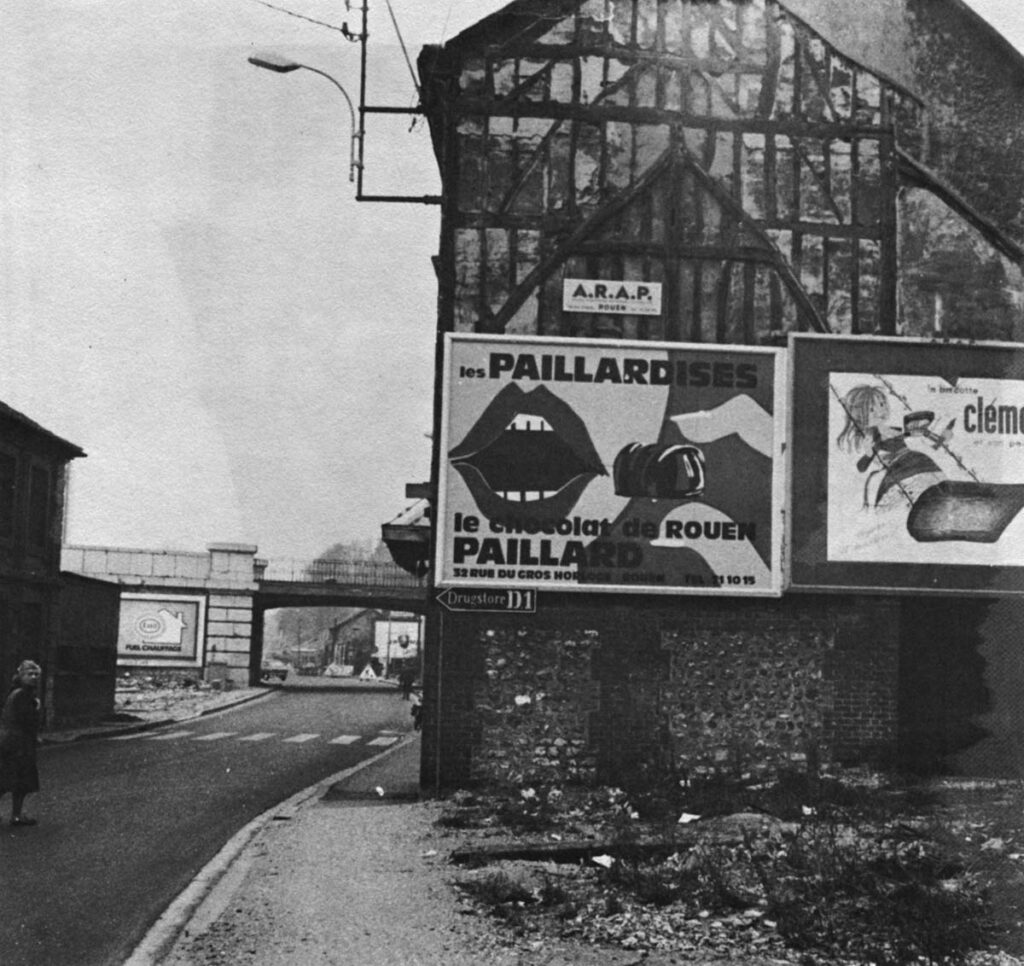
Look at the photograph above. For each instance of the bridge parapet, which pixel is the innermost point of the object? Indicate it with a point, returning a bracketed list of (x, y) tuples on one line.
[(224, 566), (353, 573)]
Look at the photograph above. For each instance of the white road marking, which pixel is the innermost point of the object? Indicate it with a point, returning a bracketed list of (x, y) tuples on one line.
[(345, 739), (170, 735), (259, 736), (298, 739), (383, 740), (216, 735)]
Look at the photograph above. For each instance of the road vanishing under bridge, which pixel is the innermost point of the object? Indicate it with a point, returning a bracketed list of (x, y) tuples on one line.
[(234, 589)]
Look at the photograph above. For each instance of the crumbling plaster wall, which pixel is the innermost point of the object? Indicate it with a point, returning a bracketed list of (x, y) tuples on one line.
[(952, 281), (973, 84), (816, 186), (877, 34)]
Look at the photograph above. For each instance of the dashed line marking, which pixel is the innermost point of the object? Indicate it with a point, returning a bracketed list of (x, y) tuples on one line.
[(383, 739)]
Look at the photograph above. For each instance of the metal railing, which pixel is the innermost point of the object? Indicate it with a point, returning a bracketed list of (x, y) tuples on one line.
[(350, 573)]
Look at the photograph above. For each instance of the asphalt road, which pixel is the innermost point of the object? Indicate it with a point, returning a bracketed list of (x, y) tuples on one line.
[(126, 823)]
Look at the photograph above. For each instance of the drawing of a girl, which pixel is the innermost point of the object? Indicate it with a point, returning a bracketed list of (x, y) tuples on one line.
[(939, 508), (906, 473)]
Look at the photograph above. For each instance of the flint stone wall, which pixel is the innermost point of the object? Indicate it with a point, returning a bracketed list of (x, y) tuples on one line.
[(631, 698)]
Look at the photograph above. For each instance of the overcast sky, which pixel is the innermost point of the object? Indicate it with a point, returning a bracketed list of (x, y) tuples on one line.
[(189, 290)]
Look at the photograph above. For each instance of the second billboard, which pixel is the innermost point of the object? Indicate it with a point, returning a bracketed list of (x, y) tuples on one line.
[(611, 466)]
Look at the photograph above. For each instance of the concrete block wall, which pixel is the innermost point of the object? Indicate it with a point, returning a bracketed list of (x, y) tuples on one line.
[(229, 635), (139, 568)]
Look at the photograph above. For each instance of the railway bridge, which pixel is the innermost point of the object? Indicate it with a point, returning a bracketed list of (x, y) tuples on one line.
[(205, 610)]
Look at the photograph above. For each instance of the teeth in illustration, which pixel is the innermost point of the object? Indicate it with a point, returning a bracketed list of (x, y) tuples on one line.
[(523, 496), (529, 424)]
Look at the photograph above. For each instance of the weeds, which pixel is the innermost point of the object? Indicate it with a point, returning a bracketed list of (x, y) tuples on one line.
[(854, 874)]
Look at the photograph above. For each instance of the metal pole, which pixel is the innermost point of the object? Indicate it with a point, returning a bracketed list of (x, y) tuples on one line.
[(355, 161), (364, 36)]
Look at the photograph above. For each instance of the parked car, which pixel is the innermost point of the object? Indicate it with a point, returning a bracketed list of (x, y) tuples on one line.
[(273, 669)]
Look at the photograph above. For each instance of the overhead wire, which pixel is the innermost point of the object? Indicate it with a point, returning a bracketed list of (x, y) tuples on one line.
[(299, 16), (401, 41), (444, 27)]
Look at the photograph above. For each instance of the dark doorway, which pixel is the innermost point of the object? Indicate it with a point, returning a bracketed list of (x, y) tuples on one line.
[(942, 689)]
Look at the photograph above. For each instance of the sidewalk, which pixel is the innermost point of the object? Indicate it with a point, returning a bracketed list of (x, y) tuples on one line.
[(339, 874), (352, 872)]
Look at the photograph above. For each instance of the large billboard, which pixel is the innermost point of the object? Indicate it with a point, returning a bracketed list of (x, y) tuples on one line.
[(593, 465), (161, 630), (907, 465)]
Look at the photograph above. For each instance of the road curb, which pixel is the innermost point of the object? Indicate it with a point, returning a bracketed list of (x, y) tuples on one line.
[(187, 907)]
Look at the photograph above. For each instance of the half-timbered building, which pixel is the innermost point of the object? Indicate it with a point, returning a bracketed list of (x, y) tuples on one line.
[(776, 167)]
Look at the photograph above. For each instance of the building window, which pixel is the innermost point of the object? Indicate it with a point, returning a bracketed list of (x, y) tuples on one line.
[(8, 477), (38, 506)]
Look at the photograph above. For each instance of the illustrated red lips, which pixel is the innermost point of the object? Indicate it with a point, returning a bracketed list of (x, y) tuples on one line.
[(529, 457)]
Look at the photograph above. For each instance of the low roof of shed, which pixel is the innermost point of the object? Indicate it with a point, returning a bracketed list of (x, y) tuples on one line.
[(11, 415)]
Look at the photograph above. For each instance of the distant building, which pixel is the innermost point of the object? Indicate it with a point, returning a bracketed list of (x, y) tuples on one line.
[(65, 622), (351, 640)]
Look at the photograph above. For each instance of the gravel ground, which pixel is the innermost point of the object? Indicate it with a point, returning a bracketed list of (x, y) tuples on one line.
[(368, 885), (353, 884)]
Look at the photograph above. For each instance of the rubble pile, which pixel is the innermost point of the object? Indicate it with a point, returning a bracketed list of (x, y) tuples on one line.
[(834, 873), (170, 697)]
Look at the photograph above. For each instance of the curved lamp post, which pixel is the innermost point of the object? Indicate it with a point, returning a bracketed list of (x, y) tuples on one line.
[(280, 65)]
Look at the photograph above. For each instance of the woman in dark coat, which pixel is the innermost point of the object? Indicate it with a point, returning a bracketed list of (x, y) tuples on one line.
[(19, 734)]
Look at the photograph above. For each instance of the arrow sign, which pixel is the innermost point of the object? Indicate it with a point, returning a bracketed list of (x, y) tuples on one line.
[(488, 599)]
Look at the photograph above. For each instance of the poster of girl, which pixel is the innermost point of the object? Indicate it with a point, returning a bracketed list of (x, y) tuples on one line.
[(908, 483)]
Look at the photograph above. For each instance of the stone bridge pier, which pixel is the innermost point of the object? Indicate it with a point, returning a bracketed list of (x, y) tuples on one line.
[(218, 586)]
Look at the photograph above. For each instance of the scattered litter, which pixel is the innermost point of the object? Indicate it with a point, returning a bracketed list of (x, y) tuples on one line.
[(379, 791), (522, 699), (605, 861), (687, 817)]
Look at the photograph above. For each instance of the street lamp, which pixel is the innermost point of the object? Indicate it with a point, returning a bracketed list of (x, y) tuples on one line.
[(280, 65)]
